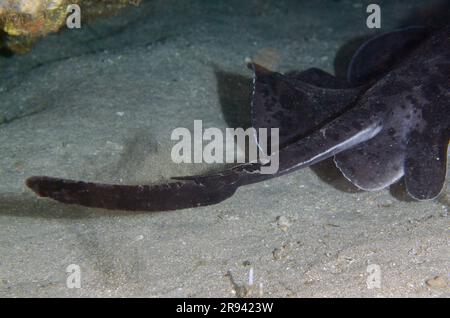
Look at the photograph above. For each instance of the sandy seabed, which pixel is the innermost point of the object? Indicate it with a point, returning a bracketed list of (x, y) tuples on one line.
[(100, 103)]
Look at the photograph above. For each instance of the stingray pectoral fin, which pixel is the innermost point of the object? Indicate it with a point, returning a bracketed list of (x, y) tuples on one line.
[(377, 55), (159, 197), (374, 164), (294, 106), (426, 166)]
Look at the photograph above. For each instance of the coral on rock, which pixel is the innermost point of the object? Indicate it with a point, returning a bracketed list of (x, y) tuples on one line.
[(23, 21)]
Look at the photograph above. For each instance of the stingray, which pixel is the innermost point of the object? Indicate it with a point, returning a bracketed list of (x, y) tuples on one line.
[(390, 118)]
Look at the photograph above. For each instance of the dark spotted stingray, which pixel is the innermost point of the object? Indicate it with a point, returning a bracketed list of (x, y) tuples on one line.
[(390, 118)]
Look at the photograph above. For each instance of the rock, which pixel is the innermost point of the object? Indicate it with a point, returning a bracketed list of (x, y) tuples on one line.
[(24, 21)]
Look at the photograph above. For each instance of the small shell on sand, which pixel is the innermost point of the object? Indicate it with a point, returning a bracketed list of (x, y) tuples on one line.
[(438, 282), (283, 223), (268, 57)]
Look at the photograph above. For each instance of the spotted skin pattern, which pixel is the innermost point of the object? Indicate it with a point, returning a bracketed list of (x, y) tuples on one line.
[(389, 119)]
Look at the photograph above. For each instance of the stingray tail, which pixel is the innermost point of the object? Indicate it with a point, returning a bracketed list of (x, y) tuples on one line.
[(159, 197), (340, 134), (194, 191)]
